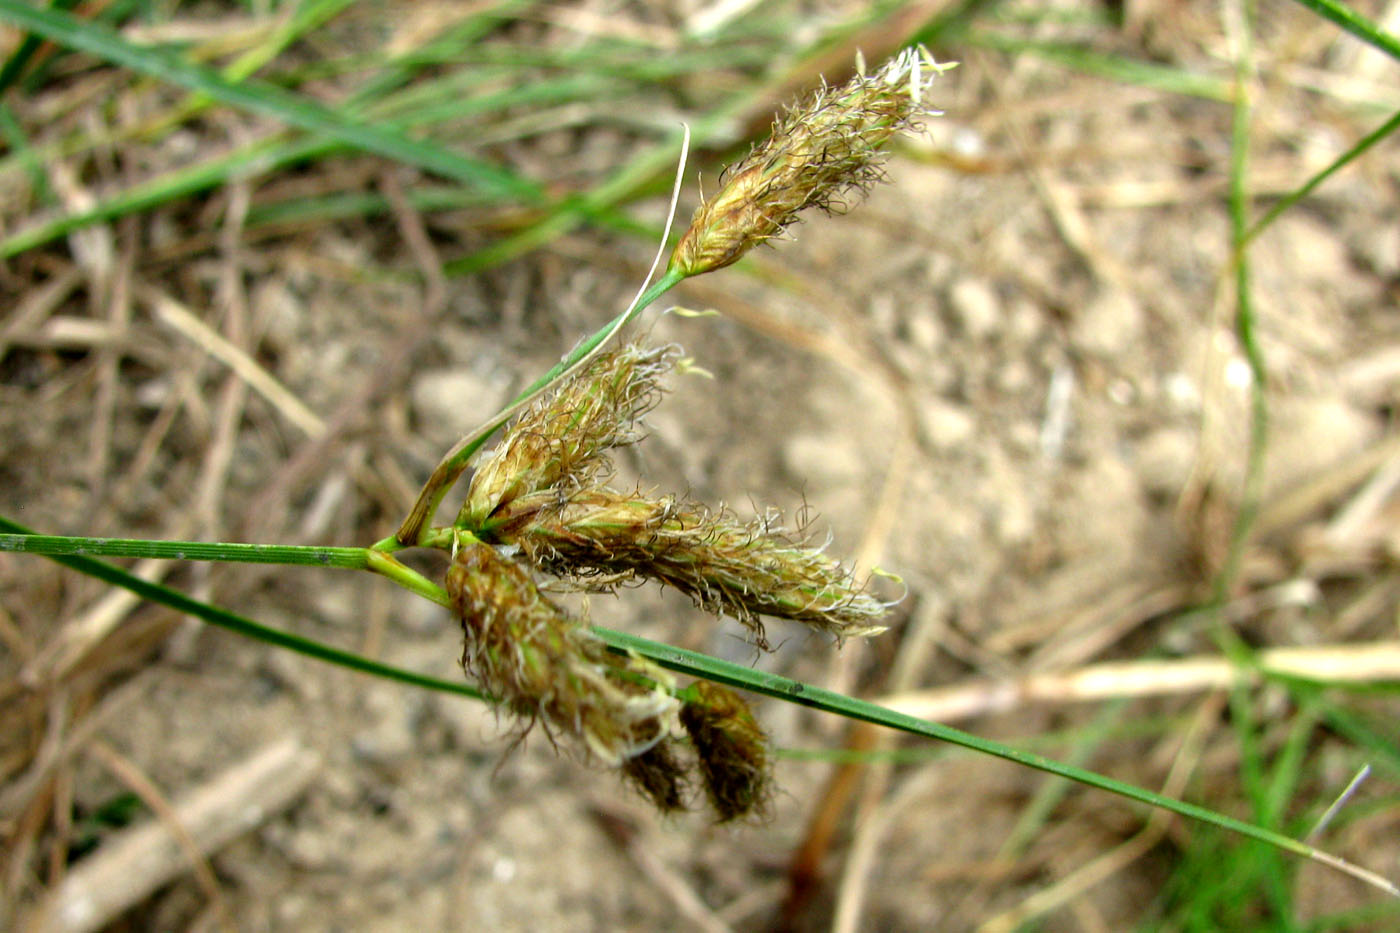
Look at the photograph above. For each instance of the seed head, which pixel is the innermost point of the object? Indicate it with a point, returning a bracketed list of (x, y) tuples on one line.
[(731, 749), (559, 442), (819, 153), (743, 570), (547, 667), (659, 775)]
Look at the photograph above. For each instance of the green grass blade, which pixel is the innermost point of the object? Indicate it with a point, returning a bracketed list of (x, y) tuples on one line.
[(774, 685), (270, 101), (267, 155), (309, 15), (15, 64), (462, 35), (214, 615), (1367, 141), (673, 658), (1356, 24), (344, 558), (250, 159), (1245, 323)]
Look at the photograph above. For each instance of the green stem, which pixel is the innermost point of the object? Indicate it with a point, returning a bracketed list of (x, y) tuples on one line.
[(1356, 24), (407, 577), (455, 461), (1369, 140), (54, 547), (340, 558), (1245, 331), (343, 558)]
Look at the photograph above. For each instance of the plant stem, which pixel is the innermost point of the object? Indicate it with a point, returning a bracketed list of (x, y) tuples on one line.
[(52, 547), (1284, 203), (343, 558), (407, 577)]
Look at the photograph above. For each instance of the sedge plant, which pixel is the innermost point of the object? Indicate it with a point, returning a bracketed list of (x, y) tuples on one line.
[(541, 505)]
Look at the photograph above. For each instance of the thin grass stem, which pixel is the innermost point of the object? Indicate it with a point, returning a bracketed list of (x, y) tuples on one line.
[(222, 618), (1343, 160), (344, 558)]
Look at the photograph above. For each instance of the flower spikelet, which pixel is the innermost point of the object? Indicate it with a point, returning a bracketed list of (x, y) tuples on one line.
[(740, 569), (818, 154), (546, 666), (659, 775), (559, 442), (731, 749)]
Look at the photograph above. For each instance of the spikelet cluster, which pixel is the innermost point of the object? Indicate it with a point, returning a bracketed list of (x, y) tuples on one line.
[(820, 153), (548, 668), (538, 505), (731, 751), (727, 752), (558, 442), (745, 570)]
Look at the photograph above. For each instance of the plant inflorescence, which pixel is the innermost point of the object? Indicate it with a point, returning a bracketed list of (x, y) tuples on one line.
[(540, 504)]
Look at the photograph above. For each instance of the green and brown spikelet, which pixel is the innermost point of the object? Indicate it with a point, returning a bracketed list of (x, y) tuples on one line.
[(731, 749), (743, 570), (559, 442), (546, 667), (819, 153)]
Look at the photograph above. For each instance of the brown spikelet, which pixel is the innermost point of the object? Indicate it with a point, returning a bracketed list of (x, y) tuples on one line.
[(546, 667), (743, 570), (559, 442), (731, 748), (818, 153), (659, 775)]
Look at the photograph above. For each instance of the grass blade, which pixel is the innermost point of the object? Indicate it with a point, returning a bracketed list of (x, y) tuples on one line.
[(271, 101), (1366, 142), (676, 659), (217, 616), (1356, 24)]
